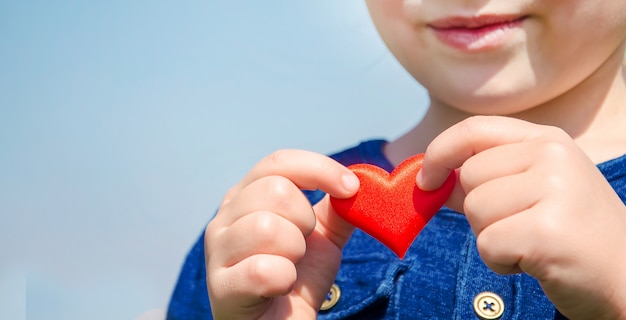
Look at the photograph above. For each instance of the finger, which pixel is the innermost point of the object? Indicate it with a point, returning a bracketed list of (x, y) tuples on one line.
[(502, 246), (491, 202), (307, 170), (260, 233), (487, 165), (469, 137), (506, 248), (274, 194), (457, 196), (250, 282), (505, 160)]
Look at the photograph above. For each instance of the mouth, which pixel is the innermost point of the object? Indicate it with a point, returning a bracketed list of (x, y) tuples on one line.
[(478, 22), (476, 33)]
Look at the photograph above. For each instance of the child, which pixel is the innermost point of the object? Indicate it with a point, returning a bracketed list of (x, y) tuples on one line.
[(528, 105)]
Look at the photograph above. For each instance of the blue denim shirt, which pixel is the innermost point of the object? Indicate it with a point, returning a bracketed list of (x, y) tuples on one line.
[(439, 277)]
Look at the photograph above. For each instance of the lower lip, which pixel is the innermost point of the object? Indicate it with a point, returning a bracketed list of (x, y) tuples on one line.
[(478, 39)]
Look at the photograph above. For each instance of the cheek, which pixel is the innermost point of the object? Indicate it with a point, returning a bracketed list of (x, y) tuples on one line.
[(583, 29), (498, 90), (555, 55), (563, 44), (572, 44), (496, 83), (389, 17)]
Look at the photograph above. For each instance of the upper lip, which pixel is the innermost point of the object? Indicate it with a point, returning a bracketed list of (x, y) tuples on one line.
[(467, 22)]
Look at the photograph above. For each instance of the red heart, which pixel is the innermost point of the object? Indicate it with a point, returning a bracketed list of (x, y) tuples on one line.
[(390, 207)]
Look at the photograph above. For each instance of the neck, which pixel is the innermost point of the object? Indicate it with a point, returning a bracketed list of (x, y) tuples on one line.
[(435, 121), (593, 113)]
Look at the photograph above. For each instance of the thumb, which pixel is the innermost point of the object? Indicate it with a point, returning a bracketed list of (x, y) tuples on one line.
[(457, 196), (331, 225), (319, 267)]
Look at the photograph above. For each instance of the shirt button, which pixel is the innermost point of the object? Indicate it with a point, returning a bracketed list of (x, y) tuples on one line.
[(332, 298), (488, 306)]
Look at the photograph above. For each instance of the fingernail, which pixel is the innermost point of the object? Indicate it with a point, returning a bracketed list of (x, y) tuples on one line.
[(350, 182), (419, 180)]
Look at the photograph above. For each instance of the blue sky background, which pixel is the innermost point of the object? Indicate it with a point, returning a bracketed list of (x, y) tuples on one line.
[(123, 122)]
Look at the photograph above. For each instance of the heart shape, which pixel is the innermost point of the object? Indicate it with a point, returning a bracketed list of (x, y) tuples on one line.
[(390, 207)]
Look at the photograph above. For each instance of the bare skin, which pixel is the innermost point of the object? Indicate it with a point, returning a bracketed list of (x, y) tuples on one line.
[(524, 121)]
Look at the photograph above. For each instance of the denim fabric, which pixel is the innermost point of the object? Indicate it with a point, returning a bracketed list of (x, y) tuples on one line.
[(438, 278), (190, 299)]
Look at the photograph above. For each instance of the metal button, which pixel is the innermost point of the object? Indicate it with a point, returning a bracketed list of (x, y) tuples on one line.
[(488, 306), (332, 298)]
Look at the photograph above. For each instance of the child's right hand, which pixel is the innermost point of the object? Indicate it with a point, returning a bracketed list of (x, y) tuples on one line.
[(269, 255)]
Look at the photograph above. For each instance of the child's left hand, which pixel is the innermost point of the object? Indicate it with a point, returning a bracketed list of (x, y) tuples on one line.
[(539, 205)]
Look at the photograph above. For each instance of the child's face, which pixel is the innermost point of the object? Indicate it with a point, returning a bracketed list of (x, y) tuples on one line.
[(501, 56)]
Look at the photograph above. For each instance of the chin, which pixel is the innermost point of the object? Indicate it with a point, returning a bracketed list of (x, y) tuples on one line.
[(496, 96), (495, 103)]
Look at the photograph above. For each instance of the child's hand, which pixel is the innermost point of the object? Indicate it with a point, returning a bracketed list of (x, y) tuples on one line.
[(537, 204), (269, 255)]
